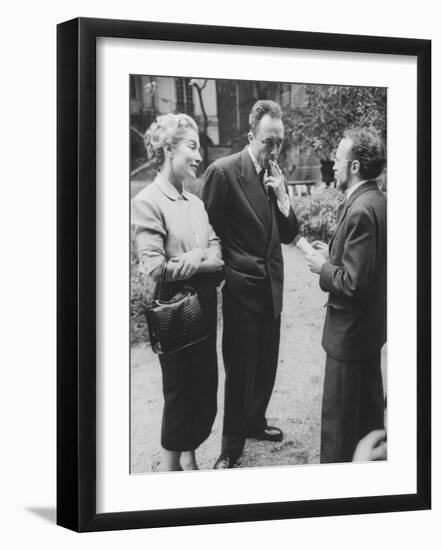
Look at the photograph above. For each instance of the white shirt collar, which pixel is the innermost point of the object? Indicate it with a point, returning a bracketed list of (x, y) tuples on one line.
[(352, 189), (256, 164)]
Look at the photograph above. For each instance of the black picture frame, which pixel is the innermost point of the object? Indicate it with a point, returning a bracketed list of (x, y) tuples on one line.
[(76, 273)]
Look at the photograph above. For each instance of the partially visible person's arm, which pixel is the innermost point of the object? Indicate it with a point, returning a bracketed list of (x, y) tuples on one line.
[(372, 447), (287, 222), (288, 225), (213, 261), (215, 197), (150, 234), (358, 259), (353, 278)]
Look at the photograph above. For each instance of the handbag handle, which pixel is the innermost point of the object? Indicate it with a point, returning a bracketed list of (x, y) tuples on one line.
[(160, 283)]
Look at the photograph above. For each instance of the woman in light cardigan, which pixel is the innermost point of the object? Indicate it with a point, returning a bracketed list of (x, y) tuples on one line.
[(172, 225)]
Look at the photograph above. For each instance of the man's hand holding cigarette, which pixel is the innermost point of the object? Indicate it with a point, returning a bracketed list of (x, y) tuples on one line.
[(273, 177)]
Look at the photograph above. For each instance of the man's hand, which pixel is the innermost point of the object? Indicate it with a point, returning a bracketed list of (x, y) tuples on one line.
[(315, 261), (186, 265), (275, 179), (372, 447), (321, 247)]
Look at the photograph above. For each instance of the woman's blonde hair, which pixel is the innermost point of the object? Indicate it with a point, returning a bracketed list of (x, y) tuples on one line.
[(166, 130)]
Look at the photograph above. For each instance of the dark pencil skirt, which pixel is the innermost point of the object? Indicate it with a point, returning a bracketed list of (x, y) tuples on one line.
[(190, 381)]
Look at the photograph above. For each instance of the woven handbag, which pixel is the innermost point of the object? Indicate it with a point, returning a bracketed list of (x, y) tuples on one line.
[(175, 322)]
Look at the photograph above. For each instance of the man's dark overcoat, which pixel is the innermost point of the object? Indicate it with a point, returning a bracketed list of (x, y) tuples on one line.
[(355, 326), (251, 228)]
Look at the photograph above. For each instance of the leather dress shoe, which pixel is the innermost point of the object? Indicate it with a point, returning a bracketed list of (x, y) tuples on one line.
[(270, 433), (224, 462)]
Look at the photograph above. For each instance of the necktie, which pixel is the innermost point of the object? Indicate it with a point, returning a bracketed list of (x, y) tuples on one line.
[(261, 179)]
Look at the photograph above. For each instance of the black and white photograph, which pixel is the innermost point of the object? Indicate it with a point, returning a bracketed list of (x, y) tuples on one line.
[(258, 273)]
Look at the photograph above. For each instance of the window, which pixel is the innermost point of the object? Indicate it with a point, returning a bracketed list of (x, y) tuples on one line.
[(184, 96)]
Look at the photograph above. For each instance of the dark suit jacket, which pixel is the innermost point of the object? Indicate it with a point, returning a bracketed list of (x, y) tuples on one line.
[(356, 277), (251, 229)]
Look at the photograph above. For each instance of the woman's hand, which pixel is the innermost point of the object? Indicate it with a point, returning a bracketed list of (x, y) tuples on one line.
[(185, 266), (212, 265)]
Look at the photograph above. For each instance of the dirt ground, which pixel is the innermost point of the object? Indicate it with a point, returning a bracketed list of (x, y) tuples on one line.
[(295, 405)]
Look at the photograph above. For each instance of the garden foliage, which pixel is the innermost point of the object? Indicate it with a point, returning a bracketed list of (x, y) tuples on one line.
[(138, 326), (320, 120), (316, 214)]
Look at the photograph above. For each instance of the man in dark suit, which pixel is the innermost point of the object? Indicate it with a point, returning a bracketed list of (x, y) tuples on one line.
[(246, 197), (355, 275)]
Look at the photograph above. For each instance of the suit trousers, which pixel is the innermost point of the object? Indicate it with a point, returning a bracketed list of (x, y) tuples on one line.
[(250, 353), (352, 405)]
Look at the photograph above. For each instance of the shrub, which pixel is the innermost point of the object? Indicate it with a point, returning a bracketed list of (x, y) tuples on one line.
[(138, 326), (317, 214)]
